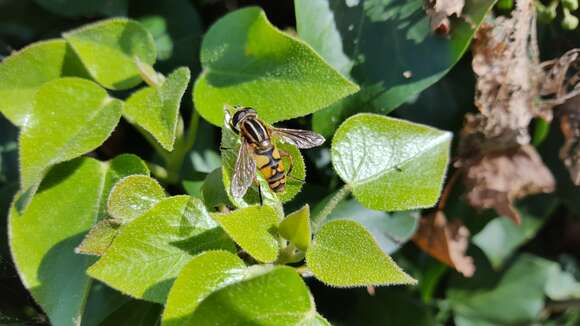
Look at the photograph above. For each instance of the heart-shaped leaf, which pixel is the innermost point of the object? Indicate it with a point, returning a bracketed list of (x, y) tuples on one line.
[(343, 253), (216, 289), (42, 240), (25, 71), (384, 43), (75, 114), (149, 252), (391, 164), (110, 50), (253, 229), (133, 196), (390, 231), (296, 228), (156, 109), (249, 62)]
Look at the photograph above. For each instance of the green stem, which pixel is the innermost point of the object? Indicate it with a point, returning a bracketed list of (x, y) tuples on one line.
[(182, 147), (339, 196)]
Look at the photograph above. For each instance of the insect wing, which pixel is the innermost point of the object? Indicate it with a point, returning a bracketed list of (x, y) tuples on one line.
[(244, 172), (299, 138)]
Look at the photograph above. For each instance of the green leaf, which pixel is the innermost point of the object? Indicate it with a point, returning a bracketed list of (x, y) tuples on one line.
[(316, 25), (295, 171), (515, 296), (133, 196), (75, 8), (390, 231), (102, 301), (315, 320), (157, 26), (110, 50), (43, 238), (25, 71), (135, 313), (296, 228), (249, 62), (129, 199), (156, 109), (501, 236), (391, 164), (76, 115), (204, 274), (183, 31), (216, 289), (99, 238), (374, 32), (147, 255), (254, 229), (343, 253), (562, 285), (213, 192)]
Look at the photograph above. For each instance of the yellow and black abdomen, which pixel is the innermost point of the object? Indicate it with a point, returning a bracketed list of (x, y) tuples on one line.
[(270, 164)]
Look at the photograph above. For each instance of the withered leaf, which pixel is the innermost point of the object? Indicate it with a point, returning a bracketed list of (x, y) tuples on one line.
[(561, 79), (446, 242), (506, 65), (570, 125), (499, 178), (440, 10)]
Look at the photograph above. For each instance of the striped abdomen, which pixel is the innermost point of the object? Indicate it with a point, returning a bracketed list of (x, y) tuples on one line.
[(266, 155), (271, 166)]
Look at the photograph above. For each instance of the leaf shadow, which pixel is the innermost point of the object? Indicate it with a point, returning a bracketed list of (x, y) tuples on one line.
[(62, 279)]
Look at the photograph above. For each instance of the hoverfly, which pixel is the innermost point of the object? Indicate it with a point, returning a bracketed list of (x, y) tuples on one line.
[(258, 149)]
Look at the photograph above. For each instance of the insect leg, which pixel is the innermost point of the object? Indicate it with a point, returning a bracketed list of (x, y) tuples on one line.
[(260, 194)]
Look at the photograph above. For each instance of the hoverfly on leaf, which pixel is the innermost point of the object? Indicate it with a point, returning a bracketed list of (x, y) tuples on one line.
[(258, 150)]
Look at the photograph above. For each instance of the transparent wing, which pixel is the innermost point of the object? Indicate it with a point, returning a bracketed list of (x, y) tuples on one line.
[(244, 171), (300, 138)]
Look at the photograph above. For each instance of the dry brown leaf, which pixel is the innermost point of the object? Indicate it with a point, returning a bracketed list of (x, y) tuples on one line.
[(561, 79), (570, 152), (446, 242), (440, 10), (498, 179), (505, 61), (498, 164)]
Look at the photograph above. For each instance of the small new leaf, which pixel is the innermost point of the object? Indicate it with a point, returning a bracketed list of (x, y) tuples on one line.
[(156, 109), (296, 228), (254, 229), (133, 196)]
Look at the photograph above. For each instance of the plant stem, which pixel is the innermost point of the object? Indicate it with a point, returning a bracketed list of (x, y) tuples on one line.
[(339, 196), (182, 146)]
